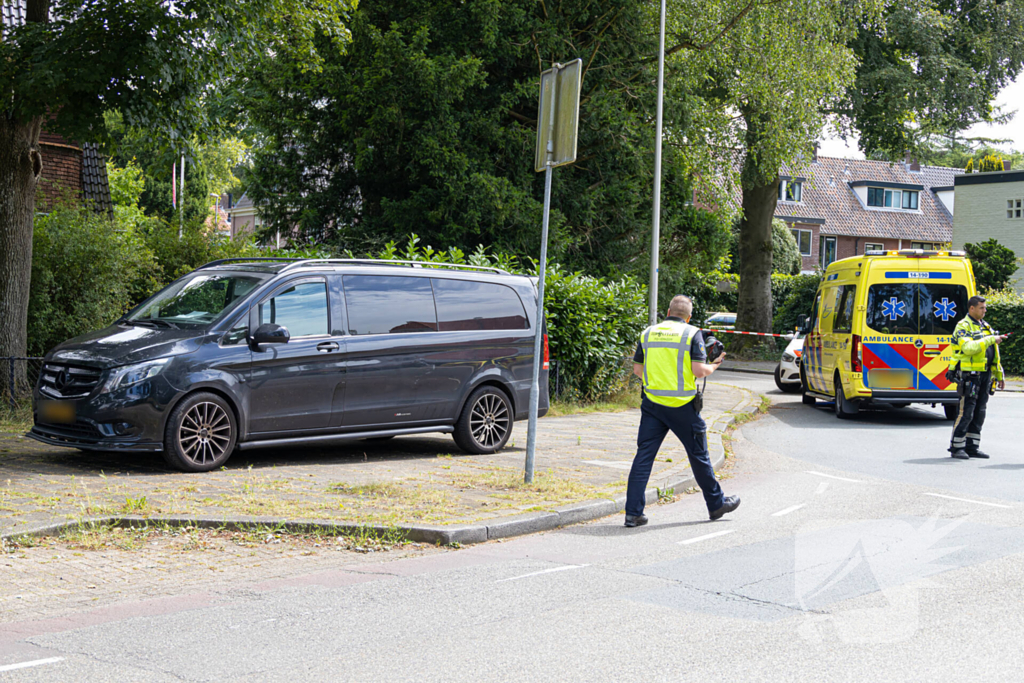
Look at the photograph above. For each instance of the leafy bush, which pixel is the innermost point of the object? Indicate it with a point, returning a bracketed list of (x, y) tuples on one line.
[(1006, 314), (86, 272), (993, 263), (798, 300), (786, 258), (177, 256)]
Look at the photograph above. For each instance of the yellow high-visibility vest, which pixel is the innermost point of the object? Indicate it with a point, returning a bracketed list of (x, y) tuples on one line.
[(971, 340), (668, 376)]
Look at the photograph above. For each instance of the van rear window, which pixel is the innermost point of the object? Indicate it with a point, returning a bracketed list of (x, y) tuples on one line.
[(912, 308), (469, 305)]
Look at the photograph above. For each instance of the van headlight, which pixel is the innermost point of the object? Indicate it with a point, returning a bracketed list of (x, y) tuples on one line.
[(133, 374)]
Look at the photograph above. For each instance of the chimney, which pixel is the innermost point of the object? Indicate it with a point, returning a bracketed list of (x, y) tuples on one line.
[(911, 163), (1007, 165)]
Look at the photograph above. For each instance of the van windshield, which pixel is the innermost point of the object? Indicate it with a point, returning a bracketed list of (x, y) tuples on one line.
[(195, 302), (912, 308)]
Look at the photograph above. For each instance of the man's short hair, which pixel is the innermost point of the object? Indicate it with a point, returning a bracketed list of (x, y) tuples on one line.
[(681, 306), (975, 300)]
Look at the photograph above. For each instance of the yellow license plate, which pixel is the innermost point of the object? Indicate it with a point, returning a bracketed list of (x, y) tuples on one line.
[(57, 412)]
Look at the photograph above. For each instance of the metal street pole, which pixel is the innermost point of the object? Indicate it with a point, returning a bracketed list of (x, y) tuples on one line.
[(656, 228), (531, 434)]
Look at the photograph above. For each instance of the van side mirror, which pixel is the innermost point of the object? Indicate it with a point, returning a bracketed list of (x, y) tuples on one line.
[(271, 333), (801, 323)]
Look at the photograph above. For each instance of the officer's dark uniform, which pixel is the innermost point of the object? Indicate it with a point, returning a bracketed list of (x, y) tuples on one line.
[(976, 357), (663, 413)]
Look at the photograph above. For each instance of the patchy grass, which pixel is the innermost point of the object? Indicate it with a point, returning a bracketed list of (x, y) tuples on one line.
[(16, 421), (624, 399), (764, 404)]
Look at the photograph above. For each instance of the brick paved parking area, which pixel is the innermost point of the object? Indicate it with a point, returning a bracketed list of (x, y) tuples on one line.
[(411, 480)]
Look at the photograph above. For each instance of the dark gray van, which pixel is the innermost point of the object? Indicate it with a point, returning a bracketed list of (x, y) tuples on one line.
[(250, 353)]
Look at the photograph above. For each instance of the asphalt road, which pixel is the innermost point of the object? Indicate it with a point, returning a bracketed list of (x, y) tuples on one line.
[(858, 553)]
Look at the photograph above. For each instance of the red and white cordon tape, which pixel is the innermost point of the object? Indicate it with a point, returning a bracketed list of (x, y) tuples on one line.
[(753, 334)]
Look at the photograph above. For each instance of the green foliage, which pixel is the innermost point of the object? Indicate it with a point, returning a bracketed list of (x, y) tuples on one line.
[(86, 272), (431, 125), (794, 299), (786, 258), (990, 163), (1006, 314), (197, 246), (993, 263), (956, 152), (126, 187), (931, 67)]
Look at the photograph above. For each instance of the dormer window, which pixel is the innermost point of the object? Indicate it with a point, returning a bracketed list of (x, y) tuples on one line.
[(893, 199), (790, 190)]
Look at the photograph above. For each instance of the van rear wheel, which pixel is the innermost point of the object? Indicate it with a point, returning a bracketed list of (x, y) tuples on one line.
[(845, 409), (486, 422)]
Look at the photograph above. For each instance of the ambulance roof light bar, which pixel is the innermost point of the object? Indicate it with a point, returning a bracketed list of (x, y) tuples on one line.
[(875, 252), (917, 253)]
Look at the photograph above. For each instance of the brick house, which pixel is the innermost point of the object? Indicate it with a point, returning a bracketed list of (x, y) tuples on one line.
[(838, 208), (68, 167)]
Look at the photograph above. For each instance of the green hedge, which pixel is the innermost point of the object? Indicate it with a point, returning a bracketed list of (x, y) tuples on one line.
[(792, 295), (1006, 314)]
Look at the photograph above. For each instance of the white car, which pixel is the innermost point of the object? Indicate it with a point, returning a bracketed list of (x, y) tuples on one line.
[(722, 321), (787, 372)]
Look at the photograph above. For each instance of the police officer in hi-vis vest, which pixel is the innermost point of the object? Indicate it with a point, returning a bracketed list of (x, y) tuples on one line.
[(669, 359), (974, 365)]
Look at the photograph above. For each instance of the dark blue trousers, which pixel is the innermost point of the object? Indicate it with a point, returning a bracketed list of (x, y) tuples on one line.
[(688, 426)]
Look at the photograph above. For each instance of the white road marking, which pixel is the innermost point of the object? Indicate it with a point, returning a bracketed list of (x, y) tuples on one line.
[(617, 464), (786, 511), (832, 476), (705, 537), (967, 500), (822, 487), (35, 662), (545, 571)]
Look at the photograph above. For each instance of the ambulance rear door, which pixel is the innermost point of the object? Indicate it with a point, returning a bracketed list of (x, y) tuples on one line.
[(889, 342), (942, 291)]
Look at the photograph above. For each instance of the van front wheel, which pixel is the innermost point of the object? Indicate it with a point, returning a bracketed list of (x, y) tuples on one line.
[(845, 409), (486, 422), (201, 433)]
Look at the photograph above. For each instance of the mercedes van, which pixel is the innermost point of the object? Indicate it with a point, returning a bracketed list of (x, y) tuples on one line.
[(256, 353), (881, 327)]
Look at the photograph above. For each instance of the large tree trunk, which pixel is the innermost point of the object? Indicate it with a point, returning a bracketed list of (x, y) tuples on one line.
[(760, 195), (20, 166)]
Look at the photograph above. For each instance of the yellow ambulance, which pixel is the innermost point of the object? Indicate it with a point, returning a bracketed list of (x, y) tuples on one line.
[(881, 327)]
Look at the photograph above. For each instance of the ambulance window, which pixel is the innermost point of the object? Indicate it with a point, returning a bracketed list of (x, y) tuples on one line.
[(828, 309), (891, 308), (941, 307), (814, 313), (844, 311)]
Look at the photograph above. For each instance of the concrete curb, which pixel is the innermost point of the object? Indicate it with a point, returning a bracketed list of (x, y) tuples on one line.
[(502, 527)]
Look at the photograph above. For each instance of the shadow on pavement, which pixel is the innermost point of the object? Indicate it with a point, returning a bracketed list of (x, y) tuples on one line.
[(931, 461), (608, 530), (1003, 467)]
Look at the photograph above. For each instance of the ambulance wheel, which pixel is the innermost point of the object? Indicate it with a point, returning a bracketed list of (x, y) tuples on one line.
[(952, 410), (805, 399), (845, 409)]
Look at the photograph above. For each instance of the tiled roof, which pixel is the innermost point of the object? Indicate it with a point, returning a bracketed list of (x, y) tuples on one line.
[(95, 186), (12, 13), (827, 195)]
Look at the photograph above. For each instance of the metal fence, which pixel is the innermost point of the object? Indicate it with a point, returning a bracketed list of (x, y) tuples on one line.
[(18, 375)]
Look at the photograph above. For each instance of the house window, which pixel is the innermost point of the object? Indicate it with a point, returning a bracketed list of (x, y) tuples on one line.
[(893, 199), (803, 240), (924, 245), (790, 190), (1014, 208), (868, 246), (827, 250)]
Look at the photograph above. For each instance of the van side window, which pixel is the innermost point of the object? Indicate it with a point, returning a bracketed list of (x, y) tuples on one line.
[(828, 309), (301, 308), (384, 304), (814, 313), (892, 308), (467, 305), (844, 311), (238, 333)]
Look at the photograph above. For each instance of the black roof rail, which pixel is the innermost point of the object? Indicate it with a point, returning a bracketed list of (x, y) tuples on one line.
[(301, 263)]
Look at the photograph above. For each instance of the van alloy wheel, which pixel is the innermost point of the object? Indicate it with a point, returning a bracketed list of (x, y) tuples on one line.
[(205, 433), (485, 424), (201, 433), (489, 421)]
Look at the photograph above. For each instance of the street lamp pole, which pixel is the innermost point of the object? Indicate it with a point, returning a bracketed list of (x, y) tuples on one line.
[(656, 228)]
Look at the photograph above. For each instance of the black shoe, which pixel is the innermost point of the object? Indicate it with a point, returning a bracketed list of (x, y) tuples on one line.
[(978, 454), (730, 504), (636, 520), (960, 454)]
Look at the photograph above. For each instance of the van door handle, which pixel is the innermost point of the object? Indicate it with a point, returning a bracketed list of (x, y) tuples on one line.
[(933, 352), (326, 347)]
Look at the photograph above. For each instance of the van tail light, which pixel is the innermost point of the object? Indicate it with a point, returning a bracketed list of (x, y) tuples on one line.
[(856, 355), (547, 353)]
